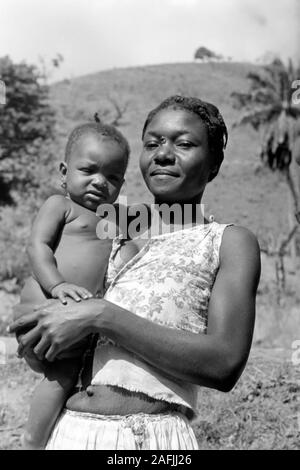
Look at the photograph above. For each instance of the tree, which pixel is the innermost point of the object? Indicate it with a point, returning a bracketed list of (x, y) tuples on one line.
[(204, 53), (268, 106), (113, 114), (26, 125), (276, 247), (47, 68)]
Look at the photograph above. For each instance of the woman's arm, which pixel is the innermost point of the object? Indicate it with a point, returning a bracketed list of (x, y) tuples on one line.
[(214, 360), (44, 234)]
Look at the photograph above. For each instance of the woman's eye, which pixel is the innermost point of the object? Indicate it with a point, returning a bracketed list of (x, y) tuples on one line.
[(113, 178), (150, 145), (185, 144)]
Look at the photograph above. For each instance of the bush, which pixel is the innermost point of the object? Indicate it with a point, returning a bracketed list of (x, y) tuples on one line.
[(15, 229), (26, 127), (204, 53)]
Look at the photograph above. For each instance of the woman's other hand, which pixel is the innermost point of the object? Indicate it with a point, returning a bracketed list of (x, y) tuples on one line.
[(55, 327)]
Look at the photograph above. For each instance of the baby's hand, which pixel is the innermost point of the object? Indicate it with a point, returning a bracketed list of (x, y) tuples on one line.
[(64, 290)]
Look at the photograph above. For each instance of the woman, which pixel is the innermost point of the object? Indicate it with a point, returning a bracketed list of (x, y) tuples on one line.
[(180, 306)]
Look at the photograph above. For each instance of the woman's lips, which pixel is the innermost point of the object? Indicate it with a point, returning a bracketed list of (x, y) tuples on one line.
[(164, 174)]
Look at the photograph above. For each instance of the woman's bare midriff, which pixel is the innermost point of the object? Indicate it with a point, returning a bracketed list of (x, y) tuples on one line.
[(111, 400), (105, 400)]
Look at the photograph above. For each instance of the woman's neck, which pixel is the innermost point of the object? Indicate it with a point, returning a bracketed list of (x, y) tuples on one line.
[(179, 214)]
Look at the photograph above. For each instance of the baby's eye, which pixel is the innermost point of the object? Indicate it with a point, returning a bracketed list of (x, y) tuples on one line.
[(85, 170)]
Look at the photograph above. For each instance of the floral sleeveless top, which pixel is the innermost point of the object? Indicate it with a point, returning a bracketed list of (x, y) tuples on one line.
[(168, 282)]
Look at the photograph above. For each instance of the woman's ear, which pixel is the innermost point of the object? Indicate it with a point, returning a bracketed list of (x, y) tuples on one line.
[(63, 168)]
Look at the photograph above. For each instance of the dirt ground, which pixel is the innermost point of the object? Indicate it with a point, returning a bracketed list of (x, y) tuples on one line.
[(262, 412)]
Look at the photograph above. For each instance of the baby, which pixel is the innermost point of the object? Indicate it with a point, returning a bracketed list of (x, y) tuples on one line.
[(67, 258)]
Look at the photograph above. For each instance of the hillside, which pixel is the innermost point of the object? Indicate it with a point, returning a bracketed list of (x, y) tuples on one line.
[(239, 194)]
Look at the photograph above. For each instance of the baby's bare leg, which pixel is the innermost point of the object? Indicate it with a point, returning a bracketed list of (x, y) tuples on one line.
[(60, 378), (34, 363), (48, 399)]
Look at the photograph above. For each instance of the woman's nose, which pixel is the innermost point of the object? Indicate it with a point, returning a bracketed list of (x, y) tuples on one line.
[(164, 154)]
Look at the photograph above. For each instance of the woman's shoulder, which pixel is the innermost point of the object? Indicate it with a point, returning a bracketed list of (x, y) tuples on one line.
[(238, 234), (239, 242)]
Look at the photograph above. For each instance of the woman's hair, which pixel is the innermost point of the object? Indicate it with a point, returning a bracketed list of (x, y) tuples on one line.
[(209, 115), (99, 129)]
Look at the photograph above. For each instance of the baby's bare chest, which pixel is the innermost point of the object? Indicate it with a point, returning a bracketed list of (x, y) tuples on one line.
[(78, 243), (84, 225)]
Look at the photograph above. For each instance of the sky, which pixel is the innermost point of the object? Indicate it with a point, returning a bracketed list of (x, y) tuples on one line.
[(95, 35)]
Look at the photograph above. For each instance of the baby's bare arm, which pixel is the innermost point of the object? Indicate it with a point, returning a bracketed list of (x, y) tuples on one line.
[(66, 289), (45, 231)]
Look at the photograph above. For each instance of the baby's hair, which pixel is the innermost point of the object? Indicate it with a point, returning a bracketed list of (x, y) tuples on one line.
[(99, 129), (208, 113)]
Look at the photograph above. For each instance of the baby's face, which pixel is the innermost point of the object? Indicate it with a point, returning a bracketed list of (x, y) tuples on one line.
[(95, 172)]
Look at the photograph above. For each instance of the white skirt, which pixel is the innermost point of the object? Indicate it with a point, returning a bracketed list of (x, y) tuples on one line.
[(86, 431)]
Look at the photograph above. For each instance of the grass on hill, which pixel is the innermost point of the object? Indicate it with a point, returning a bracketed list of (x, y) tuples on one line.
[(243, 193)]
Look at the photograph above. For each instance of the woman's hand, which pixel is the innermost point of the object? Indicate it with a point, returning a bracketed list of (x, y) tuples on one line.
[(54, 327), (40, 366)]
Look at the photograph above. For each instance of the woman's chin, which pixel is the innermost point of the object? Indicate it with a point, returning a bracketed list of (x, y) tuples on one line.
[(165, 198), (163, 190)]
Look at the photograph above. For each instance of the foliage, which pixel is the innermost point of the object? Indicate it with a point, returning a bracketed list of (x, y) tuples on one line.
[(26, 128), (13, 237), (204, 53), (15, 228), (239, 195), (268, 104), (113, 114), (260, 413)]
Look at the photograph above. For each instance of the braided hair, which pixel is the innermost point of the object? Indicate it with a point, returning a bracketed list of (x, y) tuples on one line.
[(209, 115), (99, 129)]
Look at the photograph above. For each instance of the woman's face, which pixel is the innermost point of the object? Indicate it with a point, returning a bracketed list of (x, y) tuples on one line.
[(175, 161)]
